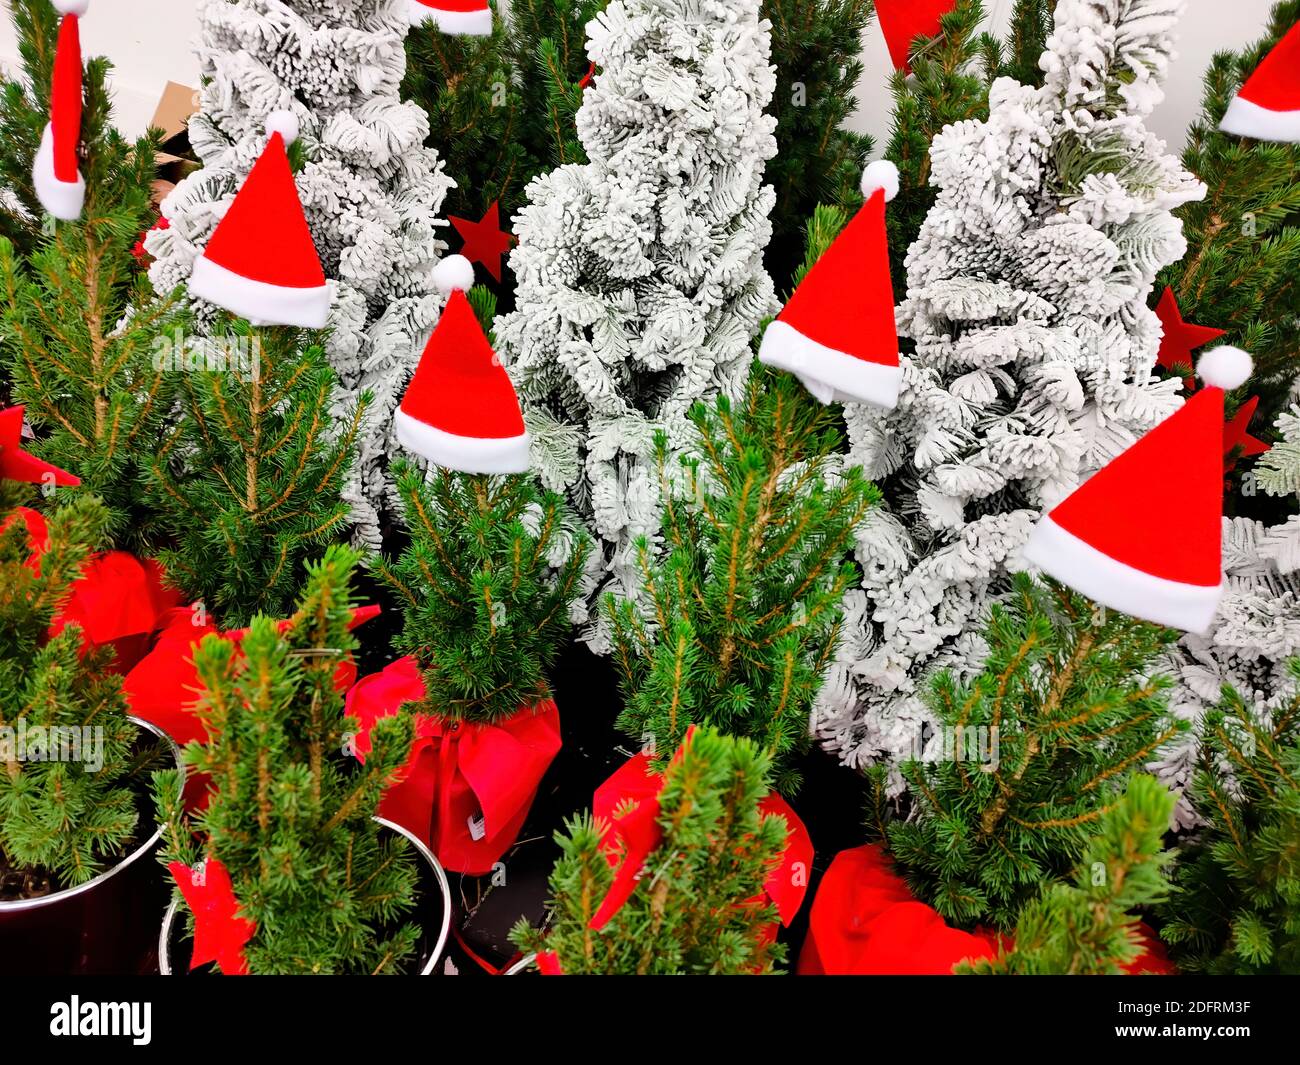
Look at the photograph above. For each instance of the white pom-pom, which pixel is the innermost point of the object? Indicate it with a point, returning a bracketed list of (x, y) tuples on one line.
[(71, 7), (454, 274), (284, 123), (882, 174), (1225, 368)]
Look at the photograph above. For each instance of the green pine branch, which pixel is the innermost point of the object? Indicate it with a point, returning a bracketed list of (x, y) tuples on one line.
[(1032, 752), (485, 587), (548, 41), (745, 608), (1237, 908), (82, 329), (1087, 928), (467, 87), (1244, 236), (247, 484), (815, 48)]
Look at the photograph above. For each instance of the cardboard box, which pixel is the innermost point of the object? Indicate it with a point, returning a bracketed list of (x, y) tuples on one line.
[(176, 158)]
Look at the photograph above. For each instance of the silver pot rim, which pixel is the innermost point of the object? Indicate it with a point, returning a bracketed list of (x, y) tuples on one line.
[(53, 899), (444, 887), (521, 966)]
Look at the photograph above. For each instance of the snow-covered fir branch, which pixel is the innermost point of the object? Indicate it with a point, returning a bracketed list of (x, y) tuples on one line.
[(1032, 364), (640, 273)]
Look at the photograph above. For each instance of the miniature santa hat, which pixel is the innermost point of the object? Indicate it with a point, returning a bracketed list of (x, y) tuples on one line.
[(902, 21), (460, 409), (1143, 534), (1267, 107), (261, 263), (468, 18), (56, 174), (837, 333)]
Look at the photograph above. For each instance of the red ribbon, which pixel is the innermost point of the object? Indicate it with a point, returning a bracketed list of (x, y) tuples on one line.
[(118, 601), (635, 788), (467, 788), (865, 921), (164, 687), (219, 932)]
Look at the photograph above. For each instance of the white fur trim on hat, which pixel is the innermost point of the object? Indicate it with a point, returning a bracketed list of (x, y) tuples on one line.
[(469, 454), (882, 174), (284, 123), (463, 23), (63, 199), (259, 301), (1115, 584), (829, 374), (1225, 367), (71, 7), (1245, 119), (455, 273)]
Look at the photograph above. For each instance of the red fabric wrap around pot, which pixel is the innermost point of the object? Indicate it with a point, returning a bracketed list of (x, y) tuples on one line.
[(865, 921), (468, 787), (636, 782), (118, 601), (164, 688)]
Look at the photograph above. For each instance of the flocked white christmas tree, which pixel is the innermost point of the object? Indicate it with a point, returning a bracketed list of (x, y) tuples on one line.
[(1257, 629), (371, 191), (640, 273), (1027, 302)]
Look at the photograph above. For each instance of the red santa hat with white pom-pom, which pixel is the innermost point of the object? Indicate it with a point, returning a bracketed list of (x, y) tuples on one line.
[(465, 18), (56, 174), (460, 409), (837, 333), (261, 262), (1267, 107), (1144, 534)]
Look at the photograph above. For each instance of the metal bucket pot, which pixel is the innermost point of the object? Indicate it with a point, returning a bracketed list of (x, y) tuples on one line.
[(434, 891), (102, 927)]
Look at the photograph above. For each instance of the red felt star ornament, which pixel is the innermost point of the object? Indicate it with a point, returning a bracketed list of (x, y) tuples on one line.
[(219, 932), (1180, 339), (485, 240), (16, 464), (1235, 436)]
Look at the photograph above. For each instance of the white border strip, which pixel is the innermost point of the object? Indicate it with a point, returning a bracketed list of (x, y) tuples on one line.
[(468, 454), (63, 199), (1119, 586), (842, 376), (462, 23), (1245, 119), (259, 301)]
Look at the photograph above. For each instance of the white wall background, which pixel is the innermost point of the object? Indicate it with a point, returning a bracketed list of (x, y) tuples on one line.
[(149, 42)]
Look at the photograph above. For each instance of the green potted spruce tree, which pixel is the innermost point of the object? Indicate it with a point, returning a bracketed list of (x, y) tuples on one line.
[(486, 586), (75, 824), (677, 886), (284, 869), (1012, 803)]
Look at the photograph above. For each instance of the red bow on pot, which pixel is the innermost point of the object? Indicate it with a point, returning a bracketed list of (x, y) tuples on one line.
[(163, 688), (637, 783), (467, 787), (118, 601), (865, 921)]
